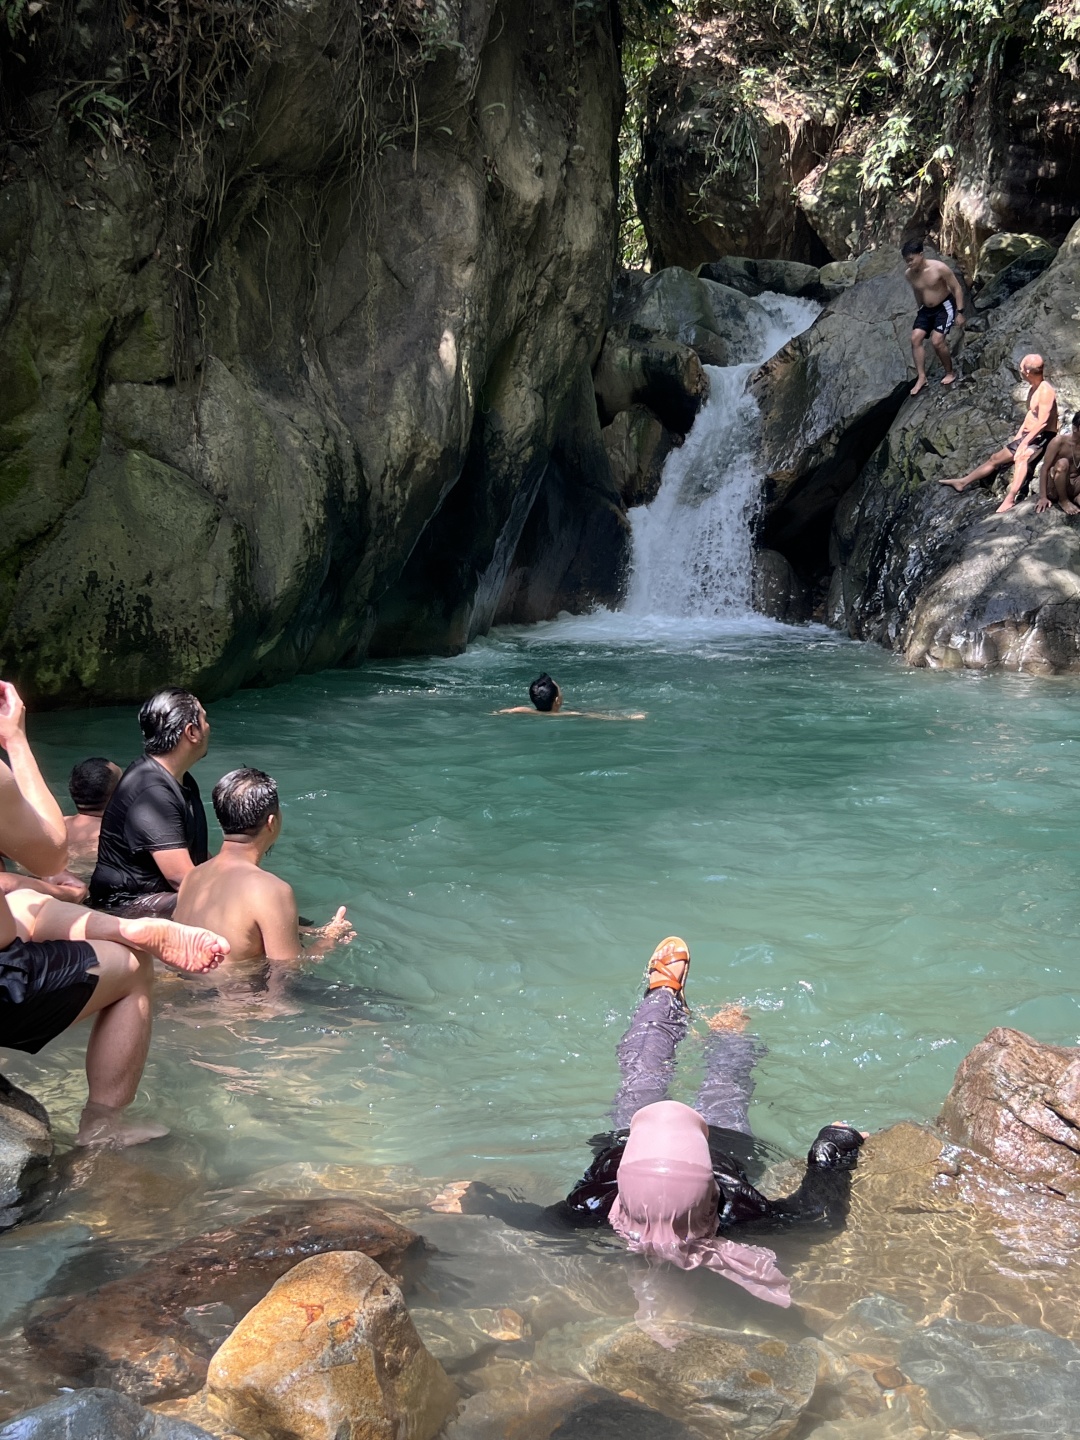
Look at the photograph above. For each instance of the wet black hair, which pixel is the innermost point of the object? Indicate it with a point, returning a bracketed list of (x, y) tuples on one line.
[(91, 783), (911, 247), (543, 692), (165, 717), (244, 799), (1076, 421)]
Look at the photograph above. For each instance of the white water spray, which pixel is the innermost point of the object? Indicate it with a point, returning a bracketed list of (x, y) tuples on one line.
[(692, 553)]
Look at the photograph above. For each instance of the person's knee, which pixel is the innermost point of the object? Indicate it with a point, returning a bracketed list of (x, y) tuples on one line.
[(122, 970)]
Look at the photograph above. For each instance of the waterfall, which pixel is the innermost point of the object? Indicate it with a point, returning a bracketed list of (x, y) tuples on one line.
[(691, 549)]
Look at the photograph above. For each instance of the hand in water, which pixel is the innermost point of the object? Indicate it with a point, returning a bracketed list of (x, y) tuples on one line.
[(338, 930)]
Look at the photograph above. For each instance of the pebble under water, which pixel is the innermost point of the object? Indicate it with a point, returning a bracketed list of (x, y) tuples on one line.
[(879, 863)]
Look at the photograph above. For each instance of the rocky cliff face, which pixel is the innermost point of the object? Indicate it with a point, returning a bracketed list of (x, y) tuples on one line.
[(315, 418)]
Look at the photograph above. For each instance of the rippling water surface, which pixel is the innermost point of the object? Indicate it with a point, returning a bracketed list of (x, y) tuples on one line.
[(880, 863)]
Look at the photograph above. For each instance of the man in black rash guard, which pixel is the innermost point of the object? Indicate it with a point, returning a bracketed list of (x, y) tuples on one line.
[(673, 1180), (153, 831)]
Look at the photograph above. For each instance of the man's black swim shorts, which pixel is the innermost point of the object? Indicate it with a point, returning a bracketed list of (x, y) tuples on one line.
[(936, 317), (44, 985), (1038, 444)]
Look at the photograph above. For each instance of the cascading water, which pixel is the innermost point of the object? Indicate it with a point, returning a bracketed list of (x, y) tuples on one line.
[(692, 553)]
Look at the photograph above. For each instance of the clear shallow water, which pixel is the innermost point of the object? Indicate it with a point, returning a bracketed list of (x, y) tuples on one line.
[(879, 862)]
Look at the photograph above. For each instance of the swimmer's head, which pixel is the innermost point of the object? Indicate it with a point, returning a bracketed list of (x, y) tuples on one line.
[(244, 800), (545, 694), (1032, 365), (91, 784)]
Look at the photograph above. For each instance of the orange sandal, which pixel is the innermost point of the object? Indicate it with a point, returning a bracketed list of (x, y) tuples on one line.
[(668, 968)]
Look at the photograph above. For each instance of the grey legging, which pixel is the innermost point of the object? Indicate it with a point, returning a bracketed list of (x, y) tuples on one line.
[(647, 1062)]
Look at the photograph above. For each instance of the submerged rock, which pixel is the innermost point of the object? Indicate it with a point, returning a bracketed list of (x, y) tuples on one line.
[(330, 1354), (1017, 1101), (541, 1408), (97, 1414), (722, 1383), (26, 1148), (133, 1333)]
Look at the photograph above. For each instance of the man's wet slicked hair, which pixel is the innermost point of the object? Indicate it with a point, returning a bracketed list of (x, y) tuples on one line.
[(165, 717), (243, 800), (543, 692), (91, 783), (911, 247)]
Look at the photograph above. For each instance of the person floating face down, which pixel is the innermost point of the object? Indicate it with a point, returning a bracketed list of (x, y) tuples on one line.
[(673, 1180)]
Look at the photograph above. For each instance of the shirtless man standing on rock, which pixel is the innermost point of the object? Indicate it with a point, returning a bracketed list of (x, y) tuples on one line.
[(1059, 481), (941, 306), (62, 963), (1024, 451)]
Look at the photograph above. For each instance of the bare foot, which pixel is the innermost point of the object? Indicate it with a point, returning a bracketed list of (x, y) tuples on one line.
[(731, 1017), (957, 485), (1069, 507), (920, 384), (949, 379), (181, 946), (448, 1200), (102, 1125), (1007, 504)]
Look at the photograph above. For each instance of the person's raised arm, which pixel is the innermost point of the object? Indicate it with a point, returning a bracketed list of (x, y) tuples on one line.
[(32, 829), (174, 865), (825, 1192)]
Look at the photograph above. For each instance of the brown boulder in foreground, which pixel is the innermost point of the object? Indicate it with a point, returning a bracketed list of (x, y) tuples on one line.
[(330, 1354), (133, 1334), (1017, 1102)]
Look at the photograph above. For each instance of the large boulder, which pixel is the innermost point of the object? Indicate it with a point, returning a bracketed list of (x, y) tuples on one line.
[(330, 1354), (941, 577), (664, 375), (138, 1334), (26, 1148), (755, 277), (1017, 1101), (257, 375), (826, 400), (97, 1414), (637, 446)]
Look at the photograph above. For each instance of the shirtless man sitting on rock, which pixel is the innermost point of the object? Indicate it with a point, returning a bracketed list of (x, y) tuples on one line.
[(941, 306), (254, 910), (62, 963), (1024, 451), (1059, 480)]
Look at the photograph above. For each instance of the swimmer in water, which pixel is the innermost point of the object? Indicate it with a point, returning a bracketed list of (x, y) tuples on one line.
[(547, 699), (232, 895), (90, 786), (675, 1181)]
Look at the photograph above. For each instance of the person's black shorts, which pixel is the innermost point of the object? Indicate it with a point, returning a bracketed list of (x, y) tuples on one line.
[(1039, 443), (936, 317), (44, 986)]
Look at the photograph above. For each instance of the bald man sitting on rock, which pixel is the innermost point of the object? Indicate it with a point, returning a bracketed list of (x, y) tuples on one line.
[(1027, 447)]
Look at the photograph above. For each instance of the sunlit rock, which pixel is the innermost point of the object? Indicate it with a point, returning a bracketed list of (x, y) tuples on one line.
[(133, 1333), (1017, 1101), (459, 1335), (330, 1354)]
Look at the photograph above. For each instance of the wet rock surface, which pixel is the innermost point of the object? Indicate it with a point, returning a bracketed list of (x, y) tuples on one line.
[(330, 1354), (134, 1334), (723, 1383), (941, 577), (26, 1149), (97, 1414), (549, 1409), (1017, 1101)]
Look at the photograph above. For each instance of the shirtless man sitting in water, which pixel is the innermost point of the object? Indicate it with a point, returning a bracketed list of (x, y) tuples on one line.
[(1026, 447), (62, 963), (1059, 480), (254, 910), (941, 306), (547, 699), (90, 786)]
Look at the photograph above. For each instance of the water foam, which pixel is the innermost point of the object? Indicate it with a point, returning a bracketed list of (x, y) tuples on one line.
[(692, 547)]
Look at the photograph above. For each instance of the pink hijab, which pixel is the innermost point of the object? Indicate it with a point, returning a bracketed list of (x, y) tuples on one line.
[(667, 1202)]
